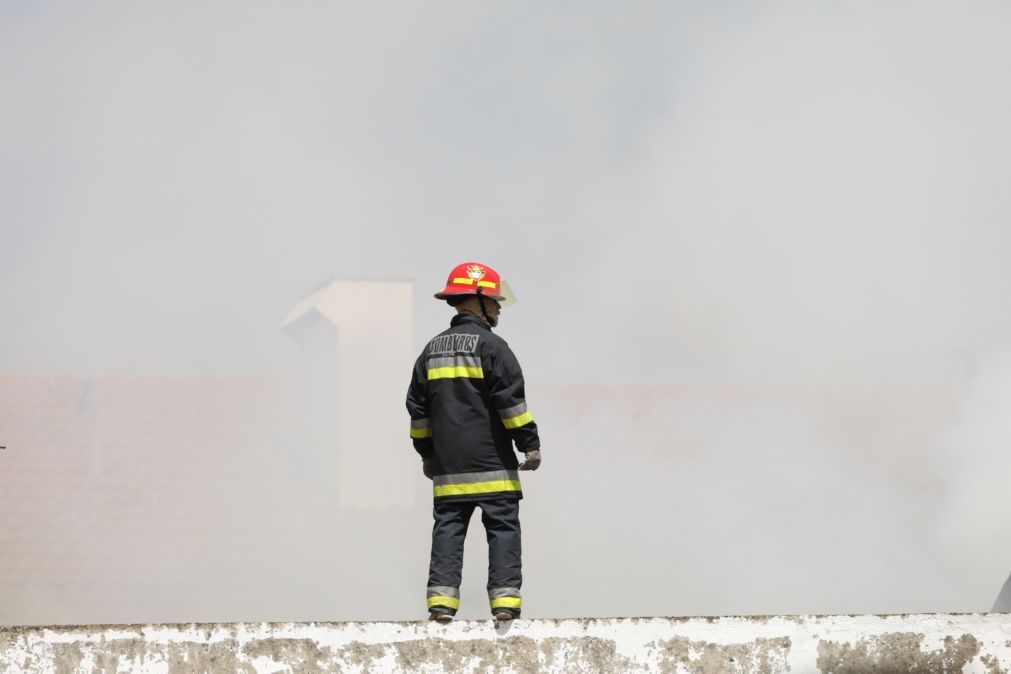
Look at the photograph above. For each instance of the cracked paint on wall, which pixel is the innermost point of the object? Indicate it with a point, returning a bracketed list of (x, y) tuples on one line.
[(725, 645)]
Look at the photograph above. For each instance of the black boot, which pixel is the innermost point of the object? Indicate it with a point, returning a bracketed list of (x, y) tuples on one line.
[(503, 613), (442, 615)]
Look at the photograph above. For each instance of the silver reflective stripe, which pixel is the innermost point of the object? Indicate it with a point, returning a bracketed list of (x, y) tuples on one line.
[(471, 478), (504, 592), (420, 423), (444, 591), (514, 411), (455, 361)]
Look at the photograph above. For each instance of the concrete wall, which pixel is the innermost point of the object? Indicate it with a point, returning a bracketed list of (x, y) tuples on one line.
[(830, 645)]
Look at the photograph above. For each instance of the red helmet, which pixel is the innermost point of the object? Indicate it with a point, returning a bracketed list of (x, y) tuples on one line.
[(471, 278)]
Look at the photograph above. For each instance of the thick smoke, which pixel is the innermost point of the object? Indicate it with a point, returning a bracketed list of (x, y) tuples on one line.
[(760, 252)]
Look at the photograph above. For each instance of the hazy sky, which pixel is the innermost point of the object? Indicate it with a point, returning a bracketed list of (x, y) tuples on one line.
[(701, 189), (803, 200)]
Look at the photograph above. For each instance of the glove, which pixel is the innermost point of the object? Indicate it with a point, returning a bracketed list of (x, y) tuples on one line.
[(532, 461), (426, 467)]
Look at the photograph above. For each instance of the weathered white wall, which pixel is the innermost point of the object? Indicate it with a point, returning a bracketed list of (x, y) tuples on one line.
[(830, 645)]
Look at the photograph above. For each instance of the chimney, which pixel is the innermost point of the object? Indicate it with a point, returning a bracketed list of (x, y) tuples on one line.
[(356, 341)]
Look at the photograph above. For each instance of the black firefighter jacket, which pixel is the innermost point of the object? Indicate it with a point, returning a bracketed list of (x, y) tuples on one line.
[(467, 407)]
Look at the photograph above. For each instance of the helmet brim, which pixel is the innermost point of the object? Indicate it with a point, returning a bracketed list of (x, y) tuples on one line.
[(501, 299), (505, 297)]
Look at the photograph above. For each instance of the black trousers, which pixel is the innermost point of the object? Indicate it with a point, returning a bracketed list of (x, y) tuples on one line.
[(501, 519)]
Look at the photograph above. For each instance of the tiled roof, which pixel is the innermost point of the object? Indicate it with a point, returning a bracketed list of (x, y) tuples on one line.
[(139, 499), (158, 499), (117, 487)]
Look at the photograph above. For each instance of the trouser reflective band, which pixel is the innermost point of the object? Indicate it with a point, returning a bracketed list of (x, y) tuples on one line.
[(505, 597), (445, 602), (444, 596)]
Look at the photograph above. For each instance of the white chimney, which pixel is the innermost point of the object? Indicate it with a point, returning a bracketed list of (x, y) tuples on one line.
[(356, 339)]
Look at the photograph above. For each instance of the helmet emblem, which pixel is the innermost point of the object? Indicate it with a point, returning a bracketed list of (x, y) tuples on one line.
[(476, 272)]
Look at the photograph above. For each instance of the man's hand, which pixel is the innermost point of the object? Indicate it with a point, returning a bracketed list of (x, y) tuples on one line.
[(533, 460), (426, 467)]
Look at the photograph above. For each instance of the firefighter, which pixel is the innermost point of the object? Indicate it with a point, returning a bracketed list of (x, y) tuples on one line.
[(467, 407)]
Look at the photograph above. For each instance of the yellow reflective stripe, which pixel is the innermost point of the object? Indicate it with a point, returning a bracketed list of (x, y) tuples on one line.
[(421, 433), (521, 420), (455, 372), (450, 602), (485, 284), (464, 281), (476, 488), (507, 602)]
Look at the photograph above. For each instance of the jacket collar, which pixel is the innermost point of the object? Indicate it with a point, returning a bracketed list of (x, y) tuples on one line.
[(461, 319)]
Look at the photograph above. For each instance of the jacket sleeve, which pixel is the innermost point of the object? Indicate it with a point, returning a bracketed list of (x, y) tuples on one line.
[(505, 385), (417, 407)]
